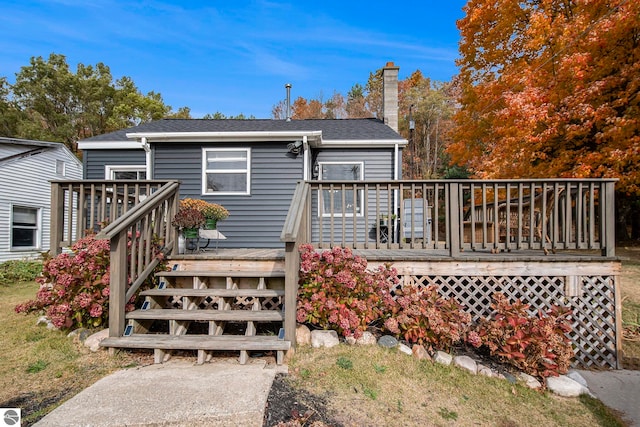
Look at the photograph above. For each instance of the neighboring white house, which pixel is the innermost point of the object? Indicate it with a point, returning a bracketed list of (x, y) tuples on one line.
[(26, 169)]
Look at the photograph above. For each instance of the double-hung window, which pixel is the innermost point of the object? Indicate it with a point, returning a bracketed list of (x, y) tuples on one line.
[(126, 172), (226, 171), (25, 225), (334, 201)]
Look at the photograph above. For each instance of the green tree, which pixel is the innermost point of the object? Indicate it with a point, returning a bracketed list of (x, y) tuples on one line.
[(10, 114), (50, 102)]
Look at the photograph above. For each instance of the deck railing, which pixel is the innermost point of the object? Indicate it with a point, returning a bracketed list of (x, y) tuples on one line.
[(137, 240), (296, 230), (463, 215), (81, 206)]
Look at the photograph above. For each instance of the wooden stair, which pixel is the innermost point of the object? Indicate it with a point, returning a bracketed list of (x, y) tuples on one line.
[(209, 310)]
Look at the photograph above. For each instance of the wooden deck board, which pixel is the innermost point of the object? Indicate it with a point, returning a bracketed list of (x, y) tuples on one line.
[(209, 273), (392, 255), (214, 292), (198, 342), (207, 315)]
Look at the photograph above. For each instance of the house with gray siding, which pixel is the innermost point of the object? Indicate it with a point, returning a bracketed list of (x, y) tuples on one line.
[(251, 167), (26, 167)]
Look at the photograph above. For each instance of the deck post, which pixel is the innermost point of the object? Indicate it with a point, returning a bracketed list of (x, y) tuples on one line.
[(609, 242), (291, 268), (56, 226), (118, 283), (454, 219)]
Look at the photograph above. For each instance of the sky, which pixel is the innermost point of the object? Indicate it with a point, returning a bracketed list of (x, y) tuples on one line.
[(235, 56)]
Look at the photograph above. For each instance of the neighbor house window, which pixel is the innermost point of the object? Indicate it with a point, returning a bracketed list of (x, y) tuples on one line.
[(60, 167), (25, 227), (125, 172), (226, 171), (333, 199)]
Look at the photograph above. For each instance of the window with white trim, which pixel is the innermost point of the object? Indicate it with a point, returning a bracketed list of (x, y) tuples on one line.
[(341, 171), (125, 172), (25, 227), (60, 168), (226, 170)]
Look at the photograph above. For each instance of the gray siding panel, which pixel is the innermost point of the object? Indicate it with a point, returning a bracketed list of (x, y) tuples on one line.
[(25, 182), (94, 161), (256, 220), (378, 165)]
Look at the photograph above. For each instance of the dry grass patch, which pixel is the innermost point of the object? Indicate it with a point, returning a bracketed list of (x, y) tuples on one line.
[(630, 290), (374, 386), (39, 368)]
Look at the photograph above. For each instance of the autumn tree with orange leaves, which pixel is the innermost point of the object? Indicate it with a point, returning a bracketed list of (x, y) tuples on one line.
[(551, 88)]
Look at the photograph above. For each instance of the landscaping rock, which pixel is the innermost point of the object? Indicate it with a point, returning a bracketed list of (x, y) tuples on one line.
[(443, 358), (467, 363), (367, 338), (575, 375), (485, 371), (43, 320), (387, 341), (303, 335), (93, 341), (405, 349), (420, 353), (80, 334), (507, 376), (351, 340), (530, 381), (565, 386), (324, 339)]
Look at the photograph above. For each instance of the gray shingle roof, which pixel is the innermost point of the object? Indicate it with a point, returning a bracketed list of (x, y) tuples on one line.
[(337, 129)]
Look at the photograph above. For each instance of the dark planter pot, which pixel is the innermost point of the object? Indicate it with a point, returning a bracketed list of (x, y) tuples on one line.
[(211, 224), (190, 233)]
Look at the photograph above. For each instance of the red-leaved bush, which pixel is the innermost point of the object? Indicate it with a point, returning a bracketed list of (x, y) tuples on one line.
[(74, 287), (338, 292), (422, 315), (537, 345)]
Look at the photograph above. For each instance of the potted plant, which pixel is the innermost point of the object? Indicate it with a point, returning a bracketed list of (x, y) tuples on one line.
[(211, 211), (214, 213), (189, 220)]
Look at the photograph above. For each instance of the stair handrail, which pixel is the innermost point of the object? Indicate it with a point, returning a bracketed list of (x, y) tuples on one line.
[(149, 220), (296, 230)]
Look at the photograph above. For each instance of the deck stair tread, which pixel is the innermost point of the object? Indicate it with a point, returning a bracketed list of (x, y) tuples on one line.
[(214, 292), (208, 315), (198, 342), (207, 273)]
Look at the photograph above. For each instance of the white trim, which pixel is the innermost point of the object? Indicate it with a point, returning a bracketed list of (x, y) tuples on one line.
[(346, 143), (247, 191), (62, 162), (306, 159), (38, 229), (360, 205), (109, 145), (110, 169), (246, 136)]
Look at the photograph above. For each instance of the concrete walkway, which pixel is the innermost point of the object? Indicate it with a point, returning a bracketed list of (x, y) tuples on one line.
[(176, 393), (619, 390), (225, 393)]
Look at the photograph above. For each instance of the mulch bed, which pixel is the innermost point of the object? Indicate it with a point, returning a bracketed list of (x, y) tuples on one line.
[(288, 406)]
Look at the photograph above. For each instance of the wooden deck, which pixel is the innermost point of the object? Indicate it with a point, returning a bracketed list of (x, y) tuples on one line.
[(395, 255)]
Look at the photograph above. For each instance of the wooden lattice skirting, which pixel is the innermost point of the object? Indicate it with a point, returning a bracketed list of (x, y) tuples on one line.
[(588, 288)]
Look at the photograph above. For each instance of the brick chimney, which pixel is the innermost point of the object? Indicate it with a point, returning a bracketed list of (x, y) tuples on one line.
[(390, 95)]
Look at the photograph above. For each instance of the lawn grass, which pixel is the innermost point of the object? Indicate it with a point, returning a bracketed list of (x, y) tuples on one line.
[(630, 291), (40, 368), (375, 386)]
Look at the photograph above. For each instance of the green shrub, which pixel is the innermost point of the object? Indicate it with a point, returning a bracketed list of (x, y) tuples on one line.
[(421, 315), (537, 345), (338, 292), (74, 287), (19, 271)]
